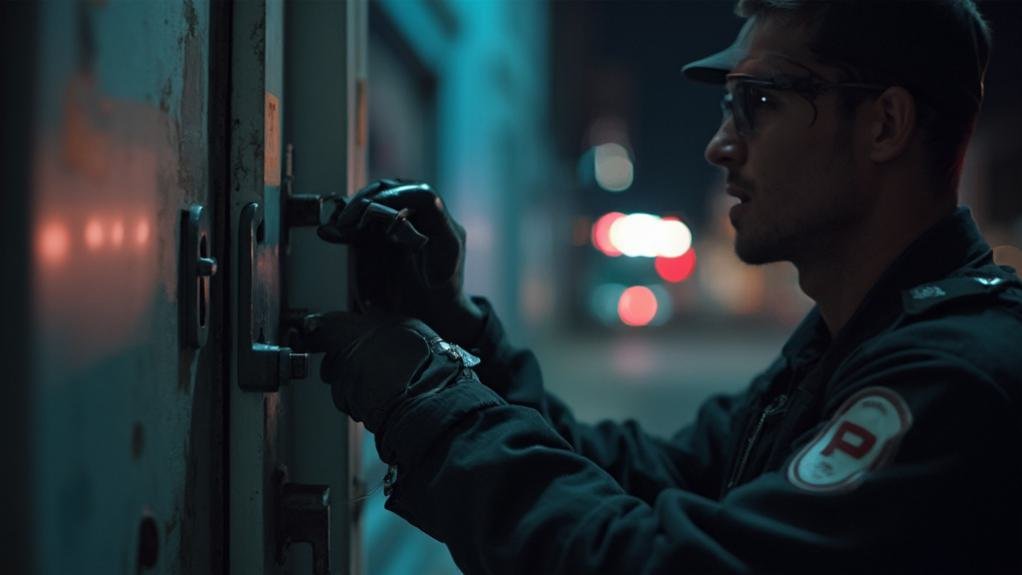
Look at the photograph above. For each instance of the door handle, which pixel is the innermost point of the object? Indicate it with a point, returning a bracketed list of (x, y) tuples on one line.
[(261, 366)]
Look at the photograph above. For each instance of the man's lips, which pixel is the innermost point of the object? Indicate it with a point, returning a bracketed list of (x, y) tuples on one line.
[(737, 192)]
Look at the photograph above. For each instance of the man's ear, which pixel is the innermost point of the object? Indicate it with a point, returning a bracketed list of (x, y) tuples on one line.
[(892, 118)]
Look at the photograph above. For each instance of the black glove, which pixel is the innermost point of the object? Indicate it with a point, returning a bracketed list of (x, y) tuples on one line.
[(384, 369), (397, 272), (375, 361)]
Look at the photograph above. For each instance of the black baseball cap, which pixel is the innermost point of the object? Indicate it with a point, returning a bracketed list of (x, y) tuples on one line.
[(714, 68), (937, 49)]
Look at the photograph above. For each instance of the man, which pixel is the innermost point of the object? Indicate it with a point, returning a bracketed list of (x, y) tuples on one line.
[(883, 439)]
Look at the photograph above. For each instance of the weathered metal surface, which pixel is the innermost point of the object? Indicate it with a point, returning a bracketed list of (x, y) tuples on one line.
[(124, 464), (257, 433)]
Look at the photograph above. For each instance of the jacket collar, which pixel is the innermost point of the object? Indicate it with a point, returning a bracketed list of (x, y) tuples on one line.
[(953, 243)]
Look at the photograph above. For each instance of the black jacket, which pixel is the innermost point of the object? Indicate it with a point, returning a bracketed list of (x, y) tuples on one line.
[(893, 447)]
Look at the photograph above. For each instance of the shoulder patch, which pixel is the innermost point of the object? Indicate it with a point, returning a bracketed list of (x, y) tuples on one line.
[(861, 437), (923, 297)]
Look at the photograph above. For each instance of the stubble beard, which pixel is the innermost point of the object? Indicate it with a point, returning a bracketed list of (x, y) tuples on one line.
[(810, 232), (764, 247), (796, 239)]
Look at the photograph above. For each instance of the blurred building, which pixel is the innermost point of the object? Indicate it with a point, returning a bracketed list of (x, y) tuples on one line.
[(459, 98)]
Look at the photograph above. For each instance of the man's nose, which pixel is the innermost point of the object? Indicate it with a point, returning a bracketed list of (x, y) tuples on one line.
[(726, 147)]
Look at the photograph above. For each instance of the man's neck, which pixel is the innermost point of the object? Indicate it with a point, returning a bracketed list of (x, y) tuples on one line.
[(839, 279)]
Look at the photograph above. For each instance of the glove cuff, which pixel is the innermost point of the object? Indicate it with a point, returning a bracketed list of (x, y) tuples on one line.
[(422, 420)]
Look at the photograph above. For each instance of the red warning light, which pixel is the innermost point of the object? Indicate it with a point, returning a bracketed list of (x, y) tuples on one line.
[(601, 233), (637, 306), (676, 270)]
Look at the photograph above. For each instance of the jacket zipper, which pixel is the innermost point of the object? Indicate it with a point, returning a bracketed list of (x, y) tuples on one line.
[(769, 410)]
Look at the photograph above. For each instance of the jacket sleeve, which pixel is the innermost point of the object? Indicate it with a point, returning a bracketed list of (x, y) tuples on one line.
[(508, 494), (693, 459)]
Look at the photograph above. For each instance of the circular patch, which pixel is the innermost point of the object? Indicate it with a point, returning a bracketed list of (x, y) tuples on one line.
[(862, 436)]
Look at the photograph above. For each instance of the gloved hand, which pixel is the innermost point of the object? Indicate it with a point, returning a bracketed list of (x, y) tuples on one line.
[(382, 367), (424, 282)]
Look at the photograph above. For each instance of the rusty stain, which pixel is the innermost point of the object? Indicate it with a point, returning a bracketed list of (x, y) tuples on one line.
[(192, 167), (137, 440), (165, 94), (271, 138), (191, 17)]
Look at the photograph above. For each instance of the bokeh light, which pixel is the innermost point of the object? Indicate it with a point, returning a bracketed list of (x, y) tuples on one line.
[(53, 243), (613, 167), (641, 235), (677, 269), (601, 233), (142, 232), (94, 236), (675, 238), (636, 235), (637, 306)]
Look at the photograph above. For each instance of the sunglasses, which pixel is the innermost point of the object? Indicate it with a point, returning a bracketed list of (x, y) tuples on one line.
[(748, 95)]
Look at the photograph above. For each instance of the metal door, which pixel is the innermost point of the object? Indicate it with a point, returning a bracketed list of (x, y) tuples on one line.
[(155, 425), (289, 479), (122, 408)]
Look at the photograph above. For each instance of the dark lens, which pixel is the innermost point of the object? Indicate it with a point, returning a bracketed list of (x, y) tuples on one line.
[(743, 110)]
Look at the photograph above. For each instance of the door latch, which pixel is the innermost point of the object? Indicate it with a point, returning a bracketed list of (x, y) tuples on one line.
[(300, 210), (195, 268), (303, 515)]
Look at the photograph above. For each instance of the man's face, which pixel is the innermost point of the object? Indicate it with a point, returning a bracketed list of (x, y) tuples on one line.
[(795, 176)]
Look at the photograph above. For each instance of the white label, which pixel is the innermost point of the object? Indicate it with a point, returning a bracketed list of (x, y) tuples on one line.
[(863, 435)]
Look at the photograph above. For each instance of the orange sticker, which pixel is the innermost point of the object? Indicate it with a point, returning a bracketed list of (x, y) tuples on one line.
[(271, 141)]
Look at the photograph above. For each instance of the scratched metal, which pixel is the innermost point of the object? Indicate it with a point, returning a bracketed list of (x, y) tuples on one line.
[(122, 415)]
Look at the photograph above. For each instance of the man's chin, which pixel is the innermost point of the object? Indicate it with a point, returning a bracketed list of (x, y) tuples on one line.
[(756, 252)]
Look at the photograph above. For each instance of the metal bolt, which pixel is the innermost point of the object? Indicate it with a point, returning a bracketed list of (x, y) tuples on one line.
[(206, 267)]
